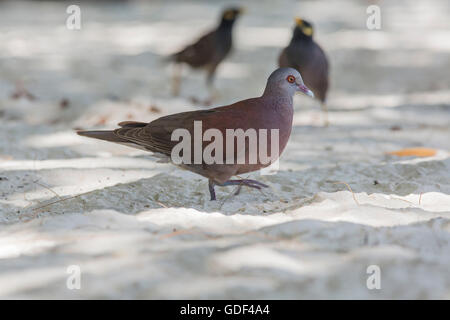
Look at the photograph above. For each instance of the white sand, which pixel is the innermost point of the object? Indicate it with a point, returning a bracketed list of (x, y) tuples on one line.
[(306, 237)]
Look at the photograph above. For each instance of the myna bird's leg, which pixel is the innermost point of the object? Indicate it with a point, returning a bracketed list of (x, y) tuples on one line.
[(176, 79), (211, 190), (213, 93), (324, 108), (211, 74)]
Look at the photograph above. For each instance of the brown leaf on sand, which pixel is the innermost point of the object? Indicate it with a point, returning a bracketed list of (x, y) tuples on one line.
[(413, 152), (154, 109)]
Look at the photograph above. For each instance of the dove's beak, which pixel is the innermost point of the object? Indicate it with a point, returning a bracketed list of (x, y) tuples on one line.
[(305, 90)]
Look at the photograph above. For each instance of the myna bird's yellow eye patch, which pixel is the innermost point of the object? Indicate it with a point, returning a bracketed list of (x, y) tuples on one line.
[(307, 31)]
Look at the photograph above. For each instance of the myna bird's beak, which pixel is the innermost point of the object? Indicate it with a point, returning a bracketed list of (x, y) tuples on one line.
[(298, 21)]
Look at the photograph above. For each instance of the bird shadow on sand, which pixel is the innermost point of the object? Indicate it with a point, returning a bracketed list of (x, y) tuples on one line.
[(288, 190)]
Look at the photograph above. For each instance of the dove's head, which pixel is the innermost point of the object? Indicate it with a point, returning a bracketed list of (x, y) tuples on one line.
[(287, 81)]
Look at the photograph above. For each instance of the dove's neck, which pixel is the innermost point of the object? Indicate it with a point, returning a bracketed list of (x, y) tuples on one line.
[(279, 105), (278, 95)]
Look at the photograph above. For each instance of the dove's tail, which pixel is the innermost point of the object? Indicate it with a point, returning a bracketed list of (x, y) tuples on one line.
[(106, 135)]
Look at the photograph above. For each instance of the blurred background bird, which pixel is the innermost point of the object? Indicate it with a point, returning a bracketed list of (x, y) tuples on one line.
[(208, 52), (305, 55)]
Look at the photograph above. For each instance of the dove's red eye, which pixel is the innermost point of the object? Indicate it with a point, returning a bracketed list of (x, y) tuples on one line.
[(290, 79)]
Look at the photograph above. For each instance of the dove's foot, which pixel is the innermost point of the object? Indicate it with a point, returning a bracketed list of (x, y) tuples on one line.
[(242, 182)]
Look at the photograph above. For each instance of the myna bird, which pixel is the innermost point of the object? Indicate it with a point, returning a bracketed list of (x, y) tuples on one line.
[(305, 55), (272, 110), (209, 51)]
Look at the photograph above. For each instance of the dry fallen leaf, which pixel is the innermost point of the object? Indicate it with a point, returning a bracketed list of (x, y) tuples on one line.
[(414, 152), (154, 108)]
